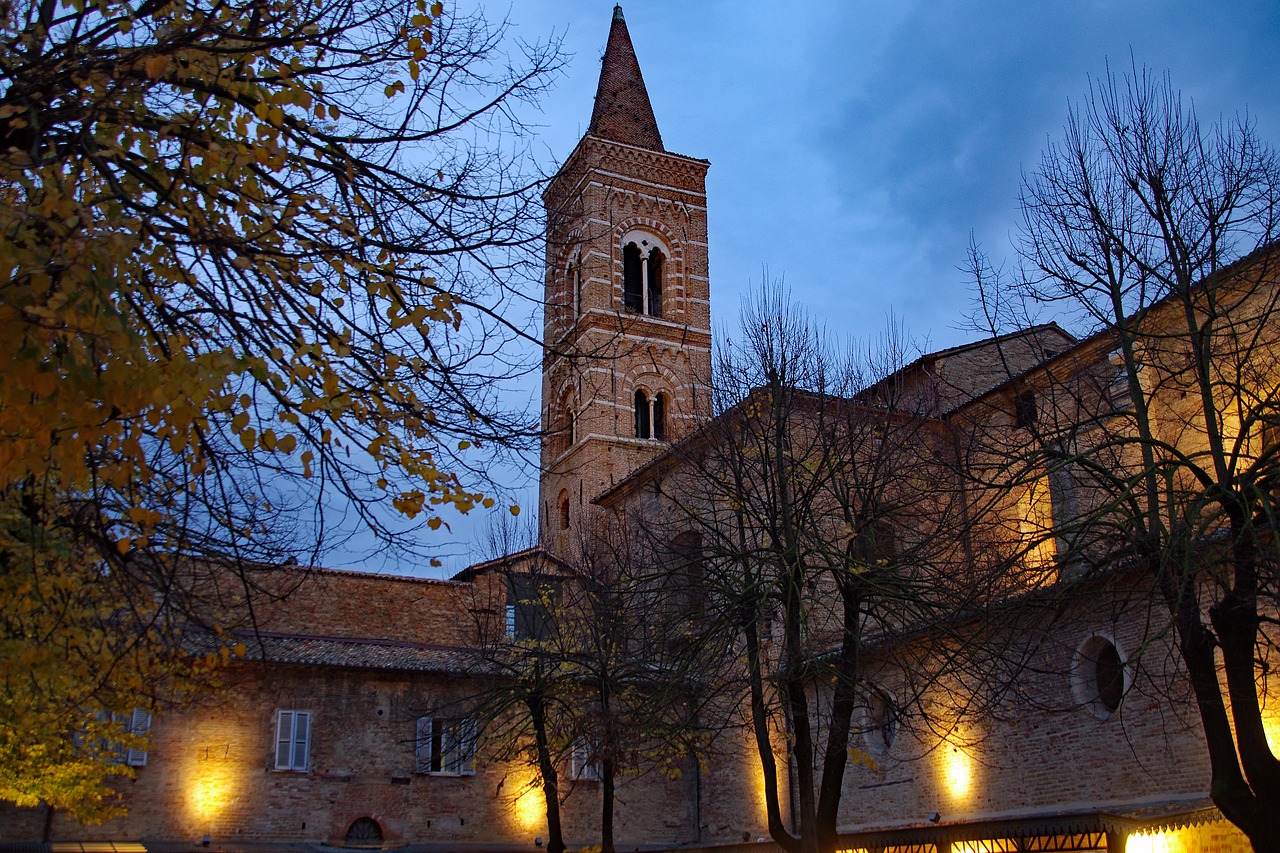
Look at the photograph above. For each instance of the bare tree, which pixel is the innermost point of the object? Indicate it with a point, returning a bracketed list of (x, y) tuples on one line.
[(583, 675), (815, 495), (1157, 234)]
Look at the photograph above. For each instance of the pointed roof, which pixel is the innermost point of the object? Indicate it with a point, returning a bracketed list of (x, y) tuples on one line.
[(622, 112)]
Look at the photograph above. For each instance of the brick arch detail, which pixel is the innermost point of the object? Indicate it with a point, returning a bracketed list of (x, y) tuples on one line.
[(660, 377), (657, 226), (559, 415), (674, 295)]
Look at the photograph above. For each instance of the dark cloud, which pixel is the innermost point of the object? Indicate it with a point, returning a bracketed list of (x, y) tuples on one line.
[(856, 145)]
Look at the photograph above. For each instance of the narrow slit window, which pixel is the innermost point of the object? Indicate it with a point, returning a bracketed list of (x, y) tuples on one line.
[(642, 415), (1025, 409), (632, 273), (653, 296)]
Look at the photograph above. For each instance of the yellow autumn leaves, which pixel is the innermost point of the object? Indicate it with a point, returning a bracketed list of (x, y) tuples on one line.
[(217, 298)]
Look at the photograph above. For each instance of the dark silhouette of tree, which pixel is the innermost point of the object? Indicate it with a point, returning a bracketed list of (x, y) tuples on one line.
[(816, 493), (1157, 234)]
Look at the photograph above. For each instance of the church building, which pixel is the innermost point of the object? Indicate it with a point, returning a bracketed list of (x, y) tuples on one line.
[(346, 722)]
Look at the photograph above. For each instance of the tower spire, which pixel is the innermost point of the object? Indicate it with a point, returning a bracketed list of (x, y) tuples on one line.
[(622, 111)]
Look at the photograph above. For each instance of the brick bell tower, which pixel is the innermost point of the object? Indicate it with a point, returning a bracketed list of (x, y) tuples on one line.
[(627, 318)]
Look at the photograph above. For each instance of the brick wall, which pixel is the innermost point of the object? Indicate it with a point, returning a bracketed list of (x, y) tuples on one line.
[(210, 771)]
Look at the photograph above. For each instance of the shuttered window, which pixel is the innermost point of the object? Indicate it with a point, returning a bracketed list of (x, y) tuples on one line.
[(293, 740), (445, 746), (139, 724)]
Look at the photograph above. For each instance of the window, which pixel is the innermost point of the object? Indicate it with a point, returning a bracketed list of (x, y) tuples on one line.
[(1108, 677), (642, 277), (293, 740), (632, 272), (687, 583), (1269, 457), (564, 509), (560, 420), (578, 293), (1025, 409), (1100, 677), (531, 600), (137, 722), (1118, 390), (445, 746), (881, 721), (653, 291), (642, 415), (876, 542), (1270, 437), (584, 762), (651, 417), (364, 830)]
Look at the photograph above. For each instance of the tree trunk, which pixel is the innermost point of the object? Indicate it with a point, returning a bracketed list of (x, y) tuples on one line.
[(606, 806), (547, 770), (760, 726), (843, 702)]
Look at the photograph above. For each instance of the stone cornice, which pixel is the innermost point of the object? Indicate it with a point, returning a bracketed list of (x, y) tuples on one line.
[(692, 170)]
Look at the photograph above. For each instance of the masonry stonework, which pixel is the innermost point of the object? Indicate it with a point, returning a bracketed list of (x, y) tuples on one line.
[(369, 656)]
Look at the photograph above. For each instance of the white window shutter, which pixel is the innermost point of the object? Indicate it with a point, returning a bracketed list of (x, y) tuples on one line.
[(139, 724), (422, 746), (284, 739), (301, 739), (467, 731)]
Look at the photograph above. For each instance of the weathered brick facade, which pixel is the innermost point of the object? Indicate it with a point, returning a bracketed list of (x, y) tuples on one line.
[(366, 657)]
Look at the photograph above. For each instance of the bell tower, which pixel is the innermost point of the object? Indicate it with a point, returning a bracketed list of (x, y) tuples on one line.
[(627, 319)]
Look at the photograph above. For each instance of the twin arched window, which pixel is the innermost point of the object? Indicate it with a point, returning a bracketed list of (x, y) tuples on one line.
[(651, 416), (642, 279)]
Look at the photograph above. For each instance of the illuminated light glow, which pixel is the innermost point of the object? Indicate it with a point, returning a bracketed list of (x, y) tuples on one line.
[(211, 794), (1155, 842), (756, 772), (957, 772), (995, 845), (529, 810), (1271, 728)]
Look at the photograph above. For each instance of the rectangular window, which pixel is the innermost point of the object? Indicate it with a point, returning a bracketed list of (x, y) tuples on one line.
[(139, 723), (531, 603), (445, 746), (1025, 409), (293, 740), (583, 762), (1035, 523)]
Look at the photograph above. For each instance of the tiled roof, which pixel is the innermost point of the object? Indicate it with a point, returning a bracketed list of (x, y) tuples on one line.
[(349, 652), (622, 111)]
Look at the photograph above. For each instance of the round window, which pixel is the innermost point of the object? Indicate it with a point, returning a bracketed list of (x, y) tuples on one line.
[(1100, 677), (881, 721)]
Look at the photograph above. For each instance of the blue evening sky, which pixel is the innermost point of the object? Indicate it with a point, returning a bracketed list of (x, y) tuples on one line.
[(856, 145)]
